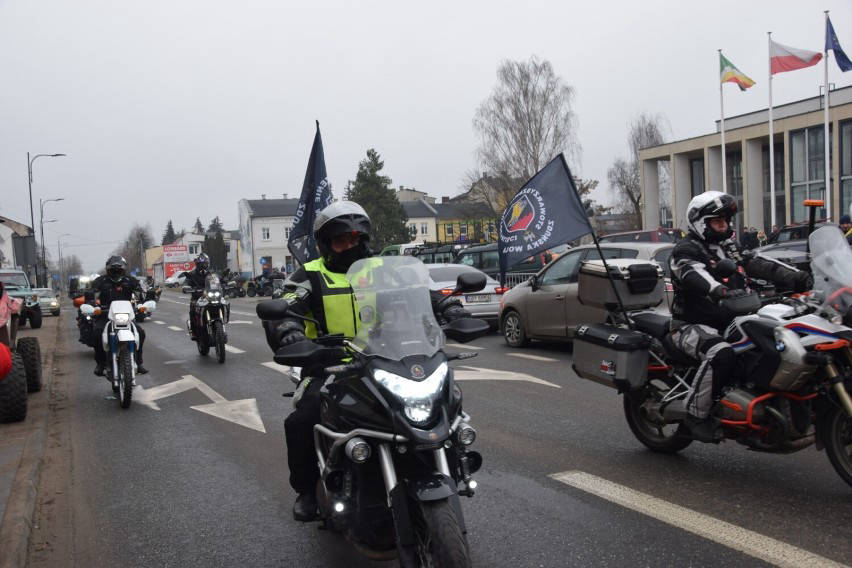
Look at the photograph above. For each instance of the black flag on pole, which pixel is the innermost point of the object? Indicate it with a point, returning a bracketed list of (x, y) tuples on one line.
[(546, 212), (316, 195)]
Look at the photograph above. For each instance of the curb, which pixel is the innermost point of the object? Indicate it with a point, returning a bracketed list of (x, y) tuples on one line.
[(17, 523)]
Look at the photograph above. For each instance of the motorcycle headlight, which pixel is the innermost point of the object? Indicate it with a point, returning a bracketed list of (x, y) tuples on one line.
[(122, 319), (418, 397)]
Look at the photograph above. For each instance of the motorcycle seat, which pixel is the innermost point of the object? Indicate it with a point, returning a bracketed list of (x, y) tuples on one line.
[(652, 323)]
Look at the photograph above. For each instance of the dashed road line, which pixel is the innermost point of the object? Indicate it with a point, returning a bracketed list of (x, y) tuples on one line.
[(532, 357), (241, 322), (462, 346), (232, 349), (283, 369), (732, 536), (175, 328), (159, 322)]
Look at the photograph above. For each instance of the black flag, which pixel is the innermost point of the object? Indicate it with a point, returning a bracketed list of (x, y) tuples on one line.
[(316, 195), (546, 212)]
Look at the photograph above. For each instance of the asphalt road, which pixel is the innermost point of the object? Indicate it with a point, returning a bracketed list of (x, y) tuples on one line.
[(179, 486)]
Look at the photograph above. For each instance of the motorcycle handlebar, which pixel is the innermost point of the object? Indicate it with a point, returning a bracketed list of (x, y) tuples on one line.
[(344, 369)]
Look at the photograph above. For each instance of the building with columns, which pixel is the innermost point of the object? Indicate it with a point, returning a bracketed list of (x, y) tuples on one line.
[(798, 144)]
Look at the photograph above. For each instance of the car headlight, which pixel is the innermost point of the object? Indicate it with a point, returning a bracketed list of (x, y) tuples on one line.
[(54, 303), (122, 319), (416, 396)]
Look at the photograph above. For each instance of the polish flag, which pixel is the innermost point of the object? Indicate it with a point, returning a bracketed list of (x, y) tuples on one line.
[(784, 58)]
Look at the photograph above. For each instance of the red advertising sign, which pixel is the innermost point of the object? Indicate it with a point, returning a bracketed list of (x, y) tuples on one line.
[(172, 268)]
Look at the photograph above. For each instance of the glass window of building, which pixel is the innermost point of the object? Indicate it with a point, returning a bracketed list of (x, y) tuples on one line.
[(807, 170), (696, 172), (424, 228), (779, 188), (846, 167), (734, 165), (264, 233)]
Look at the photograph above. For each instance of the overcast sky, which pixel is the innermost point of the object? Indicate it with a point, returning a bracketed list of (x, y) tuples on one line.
[(177, 109)]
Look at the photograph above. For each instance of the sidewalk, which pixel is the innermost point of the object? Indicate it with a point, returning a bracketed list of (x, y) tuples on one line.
[(22, 446)]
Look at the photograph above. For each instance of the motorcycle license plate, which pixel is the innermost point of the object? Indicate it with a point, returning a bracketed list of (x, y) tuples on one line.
[(477, 298)]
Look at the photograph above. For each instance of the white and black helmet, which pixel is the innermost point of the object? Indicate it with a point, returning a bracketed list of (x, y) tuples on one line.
[(706, 206), (339, 218)]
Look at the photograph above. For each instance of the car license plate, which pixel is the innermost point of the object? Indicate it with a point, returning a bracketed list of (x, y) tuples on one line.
[(478, 298)]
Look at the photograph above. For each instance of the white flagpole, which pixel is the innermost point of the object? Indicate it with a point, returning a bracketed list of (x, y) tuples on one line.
[(828, 187), (771, 142), (722, 113)]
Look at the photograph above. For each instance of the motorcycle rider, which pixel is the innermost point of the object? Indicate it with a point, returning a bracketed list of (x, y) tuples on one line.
[(320, 290), (196, 278), (698, 320), (114, 285)]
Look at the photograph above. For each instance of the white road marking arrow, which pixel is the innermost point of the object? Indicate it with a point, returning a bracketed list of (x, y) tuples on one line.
[(479, 374), (243, 412)]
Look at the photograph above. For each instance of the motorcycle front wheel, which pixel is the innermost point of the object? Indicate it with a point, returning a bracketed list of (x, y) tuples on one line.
[(837, 437), (440, 541), (251, 292), (125, 377), (663, 438), (219, 341)]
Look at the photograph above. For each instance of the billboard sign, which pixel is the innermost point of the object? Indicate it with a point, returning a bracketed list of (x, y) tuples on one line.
[(175, 253)]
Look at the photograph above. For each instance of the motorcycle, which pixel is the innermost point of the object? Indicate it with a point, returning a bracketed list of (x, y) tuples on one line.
[(796, 379), (234, 287), (212, 313), (85, 321), (393, 441), (121, 340)]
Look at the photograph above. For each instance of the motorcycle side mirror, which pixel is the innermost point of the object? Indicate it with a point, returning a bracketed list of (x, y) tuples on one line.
[(725, 268), (87, 309), (307, 352), (469, 282), (464, 330), (272, 310)]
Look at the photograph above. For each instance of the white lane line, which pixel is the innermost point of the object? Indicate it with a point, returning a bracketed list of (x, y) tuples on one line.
[(175, 301), (174, 361), (462, 346), (244, 314), (232, 349), (241, 321), (175, 328), (480, 374), (283, 369), (532, 357), (748, 542), (159, 322)]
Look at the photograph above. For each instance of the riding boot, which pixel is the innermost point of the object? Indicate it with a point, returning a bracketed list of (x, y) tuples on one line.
[(305, 508), (704, 429)]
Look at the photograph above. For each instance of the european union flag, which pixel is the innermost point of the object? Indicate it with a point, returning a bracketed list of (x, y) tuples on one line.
[(316, 195), (546, 212), (832, 43)]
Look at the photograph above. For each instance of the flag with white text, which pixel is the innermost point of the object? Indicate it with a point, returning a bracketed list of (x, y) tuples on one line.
[(316, 196)]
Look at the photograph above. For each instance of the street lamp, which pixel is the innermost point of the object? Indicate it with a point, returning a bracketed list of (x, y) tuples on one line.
[(59, 254), (30, 182), (41, 203)]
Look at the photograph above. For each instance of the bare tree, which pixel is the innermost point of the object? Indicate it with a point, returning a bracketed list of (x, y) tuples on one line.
[(138, 239), (644, 131), (526, 121), (71, 264)]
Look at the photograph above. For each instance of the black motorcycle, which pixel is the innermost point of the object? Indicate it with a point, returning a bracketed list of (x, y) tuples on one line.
[(393, 441), (234, 287), (212, 312)]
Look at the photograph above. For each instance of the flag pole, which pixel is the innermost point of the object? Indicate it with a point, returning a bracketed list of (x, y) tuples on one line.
[(771, 139), (722, 114), (828, 187)]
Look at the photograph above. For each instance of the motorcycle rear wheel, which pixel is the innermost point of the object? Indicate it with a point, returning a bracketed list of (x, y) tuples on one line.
[(666, 439), (837, 437), (251, 292), (440, 541), (219, 341), (125, 377)]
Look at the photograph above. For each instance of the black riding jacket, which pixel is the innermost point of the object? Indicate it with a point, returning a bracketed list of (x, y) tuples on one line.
[(107, 290), (693, 265), (197, 279)]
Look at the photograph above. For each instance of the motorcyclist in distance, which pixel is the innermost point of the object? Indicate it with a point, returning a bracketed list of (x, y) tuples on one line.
[(698, 319), (196, 278), (114, 285)]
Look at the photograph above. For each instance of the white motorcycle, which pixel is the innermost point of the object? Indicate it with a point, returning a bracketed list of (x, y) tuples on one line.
[(121, 340)]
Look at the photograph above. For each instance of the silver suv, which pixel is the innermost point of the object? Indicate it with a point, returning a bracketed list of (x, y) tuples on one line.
[(18, 286)]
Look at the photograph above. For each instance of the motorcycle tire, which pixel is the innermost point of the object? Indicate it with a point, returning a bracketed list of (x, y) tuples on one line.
[(440, 540), (13, 392), (266, 291), (219, 341), (30, 352), (251, 293), (836, 434), (651, 434), (202, 343), (125, 377), (35, 319)]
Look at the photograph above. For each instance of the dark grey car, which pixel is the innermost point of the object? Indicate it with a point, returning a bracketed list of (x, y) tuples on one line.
[(546, 305)]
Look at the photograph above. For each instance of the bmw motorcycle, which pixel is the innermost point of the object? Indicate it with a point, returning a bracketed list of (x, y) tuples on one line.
[(212, 313), (796, 356), (393, 444), (121, 340)]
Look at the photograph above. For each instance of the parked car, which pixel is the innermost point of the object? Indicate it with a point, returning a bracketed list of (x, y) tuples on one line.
[(396, 250), (486, 259), (48, 301), (546, 305), (484, 304), (430, 254), (649, 236), (18, 286), (173, 281), (793, 232)]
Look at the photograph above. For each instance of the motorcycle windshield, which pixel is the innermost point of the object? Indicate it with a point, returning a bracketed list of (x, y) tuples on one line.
[(831, 264), (393, 309), (212, 283)]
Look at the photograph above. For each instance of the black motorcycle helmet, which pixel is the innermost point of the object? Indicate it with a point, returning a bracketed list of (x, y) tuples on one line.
[(340, 218), (202, 262), (116, 267), (706, 206)]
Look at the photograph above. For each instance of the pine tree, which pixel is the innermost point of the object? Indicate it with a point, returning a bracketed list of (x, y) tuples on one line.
[(215, 225), (198, 228), (169, 236), (372, 191)]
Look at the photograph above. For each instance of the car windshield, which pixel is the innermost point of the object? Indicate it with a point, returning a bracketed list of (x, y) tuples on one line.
[(832, 267), (46, 293), (14, 279), (393, 307)]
